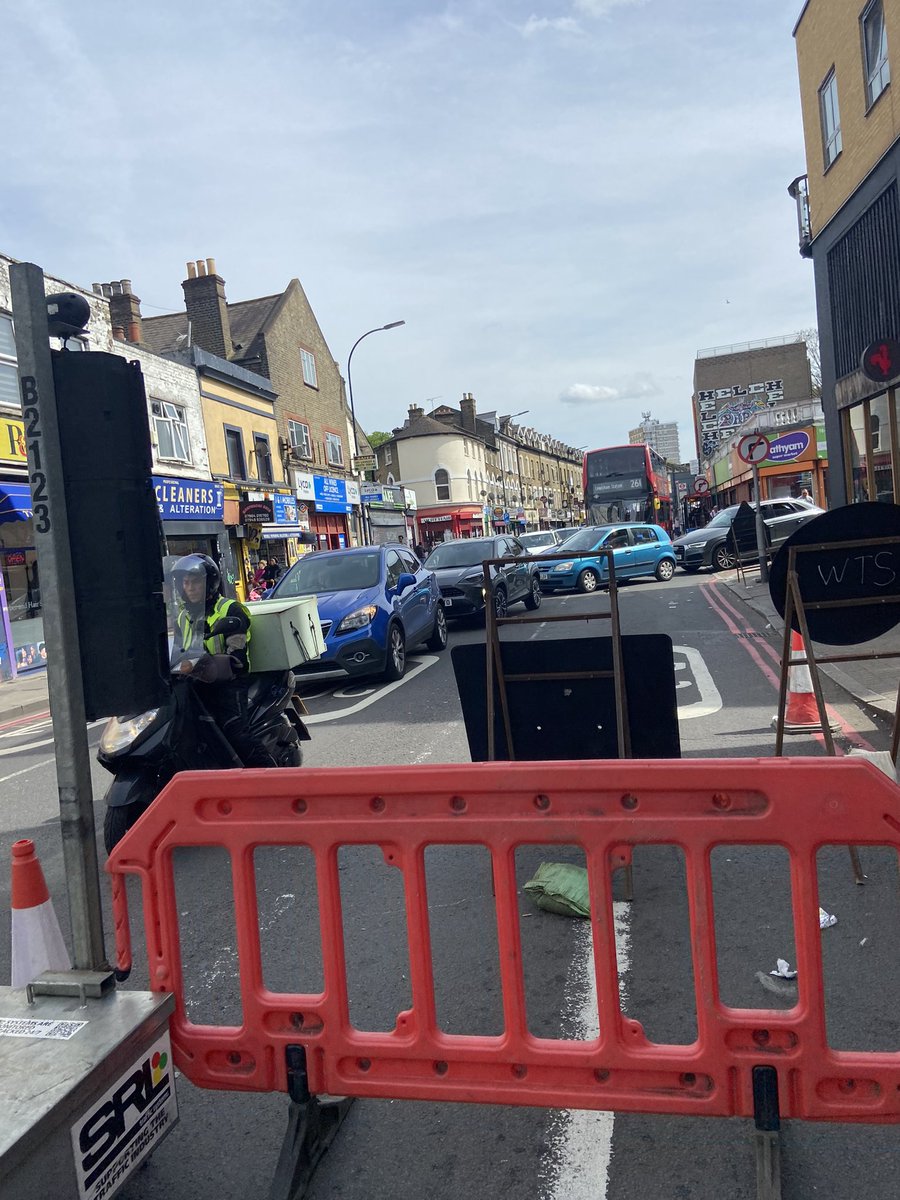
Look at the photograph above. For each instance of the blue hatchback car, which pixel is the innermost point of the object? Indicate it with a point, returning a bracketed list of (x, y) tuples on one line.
[(375, 603), (637, 550)]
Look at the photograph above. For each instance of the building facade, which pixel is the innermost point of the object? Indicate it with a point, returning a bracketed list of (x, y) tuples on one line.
[(733, 382), (190, 504), (661, 436), (849, 221), (278, 337)]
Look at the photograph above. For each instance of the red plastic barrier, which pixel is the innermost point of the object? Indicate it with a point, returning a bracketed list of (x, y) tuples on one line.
[(605, 807)]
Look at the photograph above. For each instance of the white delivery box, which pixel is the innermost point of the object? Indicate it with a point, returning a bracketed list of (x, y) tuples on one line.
[(284, 633)]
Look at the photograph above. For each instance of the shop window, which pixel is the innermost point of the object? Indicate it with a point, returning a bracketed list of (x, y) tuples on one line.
[(442, 484), (308, 365), (298, 433), (334, 450), (170, 426), (882, 457), (234, 447)]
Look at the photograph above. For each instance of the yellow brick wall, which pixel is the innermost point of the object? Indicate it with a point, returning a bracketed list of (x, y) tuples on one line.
[(829, 35)]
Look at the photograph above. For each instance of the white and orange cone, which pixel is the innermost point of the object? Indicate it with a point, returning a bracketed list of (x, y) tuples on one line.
[(37, 943), (802, 713)]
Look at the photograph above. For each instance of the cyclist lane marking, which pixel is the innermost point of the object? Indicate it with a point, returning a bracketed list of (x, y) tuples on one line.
[(423, 662), (710, 700)]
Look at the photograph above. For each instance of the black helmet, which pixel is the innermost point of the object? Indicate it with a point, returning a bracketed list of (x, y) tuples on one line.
[(200, 566)]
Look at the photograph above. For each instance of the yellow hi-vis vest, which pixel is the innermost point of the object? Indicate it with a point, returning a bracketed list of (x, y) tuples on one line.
[(216, 644)]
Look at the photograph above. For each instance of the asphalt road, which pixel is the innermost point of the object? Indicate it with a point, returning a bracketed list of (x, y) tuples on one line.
[(226, 1144)]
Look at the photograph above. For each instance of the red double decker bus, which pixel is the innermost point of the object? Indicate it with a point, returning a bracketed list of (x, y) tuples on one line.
[(627, 483)]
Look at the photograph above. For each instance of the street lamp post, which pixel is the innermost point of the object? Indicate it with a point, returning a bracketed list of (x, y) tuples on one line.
[(377, 329)]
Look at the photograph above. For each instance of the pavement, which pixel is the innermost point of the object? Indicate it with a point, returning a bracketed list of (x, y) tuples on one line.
[(873, 682)]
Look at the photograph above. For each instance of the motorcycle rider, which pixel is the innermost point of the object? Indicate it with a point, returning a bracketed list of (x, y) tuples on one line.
[(202, 606)]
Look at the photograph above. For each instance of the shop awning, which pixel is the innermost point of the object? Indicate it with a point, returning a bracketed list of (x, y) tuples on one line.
[(15, 502)]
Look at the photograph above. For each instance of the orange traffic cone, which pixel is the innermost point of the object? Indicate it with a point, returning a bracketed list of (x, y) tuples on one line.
[(37, 943), (802, 714)]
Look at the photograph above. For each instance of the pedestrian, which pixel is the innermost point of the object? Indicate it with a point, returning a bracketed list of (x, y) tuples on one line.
[(272, 572), (420, 551), (804, 495), (259, 574)]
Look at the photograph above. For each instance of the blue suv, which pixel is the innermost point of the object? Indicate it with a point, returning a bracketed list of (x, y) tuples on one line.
[(375, 602), (637, 550)]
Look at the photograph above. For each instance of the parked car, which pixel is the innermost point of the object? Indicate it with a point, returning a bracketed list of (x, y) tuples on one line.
[(375, 603), (637, 550), (540, 541), (564, 534), (711, 546), (460, 576)]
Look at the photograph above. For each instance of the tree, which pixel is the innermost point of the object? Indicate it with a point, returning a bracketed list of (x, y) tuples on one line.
[(377, 438), (811, 337)]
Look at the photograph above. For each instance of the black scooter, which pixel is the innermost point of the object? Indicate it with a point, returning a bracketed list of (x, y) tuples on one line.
[(143, 752)]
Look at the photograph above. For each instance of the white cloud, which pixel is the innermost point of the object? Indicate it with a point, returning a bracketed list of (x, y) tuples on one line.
[(536, 25), (599, 8), (639, 387)]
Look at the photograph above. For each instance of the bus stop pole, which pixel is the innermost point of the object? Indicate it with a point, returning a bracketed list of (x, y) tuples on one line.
[(760, 530), (51, 534)]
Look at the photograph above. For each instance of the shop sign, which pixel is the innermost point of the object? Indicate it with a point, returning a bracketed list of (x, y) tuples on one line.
[(330, 494), (189, 499), (257, 512), (284, 509), (352, 492), (303, 486), (13, 558), (12, 441), (371, 493), (788, 447), (434, 520), (409, 498)]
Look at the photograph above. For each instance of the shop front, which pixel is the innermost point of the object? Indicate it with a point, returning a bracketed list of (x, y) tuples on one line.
[(22, 633), (330, 503), (385, 510), (449, 521), (871, 447), (797, 462), (193, 521)]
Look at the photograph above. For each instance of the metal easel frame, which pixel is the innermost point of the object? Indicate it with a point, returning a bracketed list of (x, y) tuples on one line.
[(494, 664), (794, 603)]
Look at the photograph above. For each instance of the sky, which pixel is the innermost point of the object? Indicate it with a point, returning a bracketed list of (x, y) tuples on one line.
[(563, 199)]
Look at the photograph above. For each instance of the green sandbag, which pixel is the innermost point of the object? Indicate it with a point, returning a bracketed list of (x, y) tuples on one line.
[(561, 888)]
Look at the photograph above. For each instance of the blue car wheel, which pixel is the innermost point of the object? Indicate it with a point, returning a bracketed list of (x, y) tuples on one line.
[(665, 569), (588, 580)]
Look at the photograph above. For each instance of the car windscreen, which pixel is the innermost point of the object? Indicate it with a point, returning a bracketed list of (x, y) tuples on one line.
[(586, 539), (725, 517), (537, 539), (463, 553), (317, 573)]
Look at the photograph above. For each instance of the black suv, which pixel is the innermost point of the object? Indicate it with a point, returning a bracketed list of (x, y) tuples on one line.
[(460, 576), (712, 547)]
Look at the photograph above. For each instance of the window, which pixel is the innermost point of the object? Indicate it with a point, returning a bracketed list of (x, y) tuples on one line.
[(172, 439), (388, 455), (263, 458), (334, 450), (831, 118), (409, 561), (466, 447), (442, 484), (874, 35), (308, 363), (394, 568), (234, 447), (9, 383), (644, 535), (298, 434)]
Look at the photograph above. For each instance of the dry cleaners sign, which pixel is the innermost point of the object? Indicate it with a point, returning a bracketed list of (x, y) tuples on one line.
[(189, 499)]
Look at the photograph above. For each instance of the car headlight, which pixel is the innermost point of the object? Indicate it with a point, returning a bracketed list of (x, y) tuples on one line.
[(473, 577), (120, 732), (563, 566), (696, 545), (359, 619)]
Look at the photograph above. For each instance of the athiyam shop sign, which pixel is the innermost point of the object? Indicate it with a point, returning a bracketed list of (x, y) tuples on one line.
[(789, 447)]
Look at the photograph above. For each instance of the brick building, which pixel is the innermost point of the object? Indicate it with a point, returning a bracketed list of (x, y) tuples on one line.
[(849, 222), (278, 338)]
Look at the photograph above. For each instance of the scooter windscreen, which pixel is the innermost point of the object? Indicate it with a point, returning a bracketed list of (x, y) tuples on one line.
[(192, 581)]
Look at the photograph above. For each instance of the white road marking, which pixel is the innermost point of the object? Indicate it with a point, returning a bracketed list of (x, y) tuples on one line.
[(580, 1140), (710, 701), (24, 747), (542, 625), (422, 664), (353, 693), (34, 766)]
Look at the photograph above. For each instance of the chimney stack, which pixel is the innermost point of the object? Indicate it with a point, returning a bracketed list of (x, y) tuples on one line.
[(467, 408), (124, 309), (207, 309), (415, 411)]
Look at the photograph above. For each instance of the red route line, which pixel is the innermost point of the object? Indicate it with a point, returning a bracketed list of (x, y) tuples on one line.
[(24, 720), (722, 608)]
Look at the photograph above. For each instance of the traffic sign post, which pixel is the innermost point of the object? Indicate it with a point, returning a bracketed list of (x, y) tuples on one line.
[(753, 448), (701, 485)]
